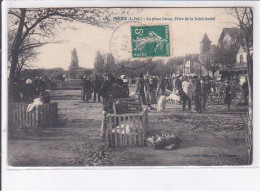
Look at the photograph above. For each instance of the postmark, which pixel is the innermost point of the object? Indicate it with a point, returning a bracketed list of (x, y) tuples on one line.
[(150, 41)]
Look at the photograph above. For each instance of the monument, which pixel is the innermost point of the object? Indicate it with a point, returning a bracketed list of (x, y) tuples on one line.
[(74, 75), (75, 72)]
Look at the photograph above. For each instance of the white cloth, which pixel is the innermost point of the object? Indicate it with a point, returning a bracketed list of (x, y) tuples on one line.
[(187, 88), (161, 103), (36, 102), (121, 129), (28, 81), (173, 97), (132, 95)]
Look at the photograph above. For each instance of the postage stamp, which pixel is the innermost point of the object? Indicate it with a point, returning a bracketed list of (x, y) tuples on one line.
[(150, 41)]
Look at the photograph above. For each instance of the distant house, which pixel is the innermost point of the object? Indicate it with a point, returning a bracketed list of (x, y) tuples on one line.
[(229, 37), (187, 67), (230, 42), (240, 67), (180, 69), (191, 66)]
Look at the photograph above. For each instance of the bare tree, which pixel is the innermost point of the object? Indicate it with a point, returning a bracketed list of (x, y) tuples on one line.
[(212, 59), (244, 18), (30, 28)]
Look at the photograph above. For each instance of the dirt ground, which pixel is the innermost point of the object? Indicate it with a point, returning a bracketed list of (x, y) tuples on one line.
[(216, 137)]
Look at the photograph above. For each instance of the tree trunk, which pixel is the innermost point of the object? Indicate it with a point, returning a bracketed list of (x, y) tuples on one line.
[(15, 55), (14, 61), (250, 109), (249, 133)]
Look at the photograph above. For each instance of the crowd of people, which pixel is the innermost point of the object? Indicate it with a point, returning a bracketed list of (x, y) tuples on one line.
[(148, 88), (188, 88), (29, 89), (96, 86)]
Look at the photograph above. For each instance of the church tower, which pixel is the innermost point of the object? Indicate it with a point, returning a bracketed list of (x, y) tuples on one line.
[(205, 44)]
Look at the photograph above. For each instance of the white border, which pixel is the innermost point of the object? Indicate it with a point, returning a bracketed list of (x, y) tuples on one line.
[(116, 178)]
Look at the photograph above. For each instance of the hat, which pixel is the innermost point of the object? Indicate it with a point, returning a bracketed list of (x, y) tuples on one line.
[(125, 80), (122, 76), (28, 81)]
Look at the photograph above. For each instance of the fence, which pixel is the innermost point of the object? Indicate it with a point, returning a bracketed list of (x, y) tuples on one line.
[(127, 129), (40, 116)]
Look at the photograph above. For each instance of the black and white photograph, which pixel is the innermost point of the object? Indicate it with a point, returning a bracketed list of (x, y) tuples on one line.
[(130, 86)]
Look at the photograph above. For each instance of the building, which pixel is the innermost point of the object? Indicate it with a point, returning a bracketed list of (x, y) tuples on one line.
[(231, 43), (205, 44), (204, 57), (230, 37), (240, 67), (192, 66)]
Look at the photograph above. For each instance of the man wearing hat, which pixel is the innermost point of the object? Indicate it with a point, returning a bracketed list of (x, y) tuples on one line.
[(125, 83), (96, 87), (88, 86), (149, 88), (83, 89), (178, 83), (228, 97), (140, 88), (204, 92), (110, 90), (197, 93), (28, 91)]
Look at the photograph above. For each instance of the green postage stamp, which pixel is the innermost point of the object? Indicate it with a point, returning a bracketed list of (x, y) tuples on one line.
[(150, 41)]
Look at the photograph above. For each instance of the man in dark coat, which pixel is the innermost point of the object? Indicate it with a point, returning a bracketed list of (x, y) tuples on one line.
[(140, 88), (83, 91), (36, 85), (28, 91), (204, 92), (124, 82), (110, 90), (228, 97), (197, 93), (96, 87), (178, 83), (149, 89), (88, 88), (245, 91), (42, 85)]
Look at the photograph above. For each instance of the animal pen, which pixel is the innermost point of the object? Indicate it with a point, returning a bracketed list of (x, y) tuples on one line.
[(41, 116), (127, 129)]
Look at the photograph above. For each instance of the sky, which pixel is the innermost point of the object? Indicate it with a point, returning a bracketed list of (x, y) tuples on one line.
[(185, 36)]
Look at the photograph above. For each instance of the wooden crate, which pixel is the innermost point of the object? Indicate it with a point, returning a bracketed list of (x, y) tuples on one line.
[(127, 105), (40, 116), (127, 129)]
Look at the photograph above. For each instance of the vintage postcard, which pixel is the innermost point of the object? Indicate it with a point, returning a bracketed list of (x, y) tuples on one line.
[(130, 86)]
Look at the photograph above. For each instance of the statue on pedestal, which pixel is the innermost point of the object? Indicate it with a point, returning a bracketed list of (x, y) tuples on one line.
[(74, 65)]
